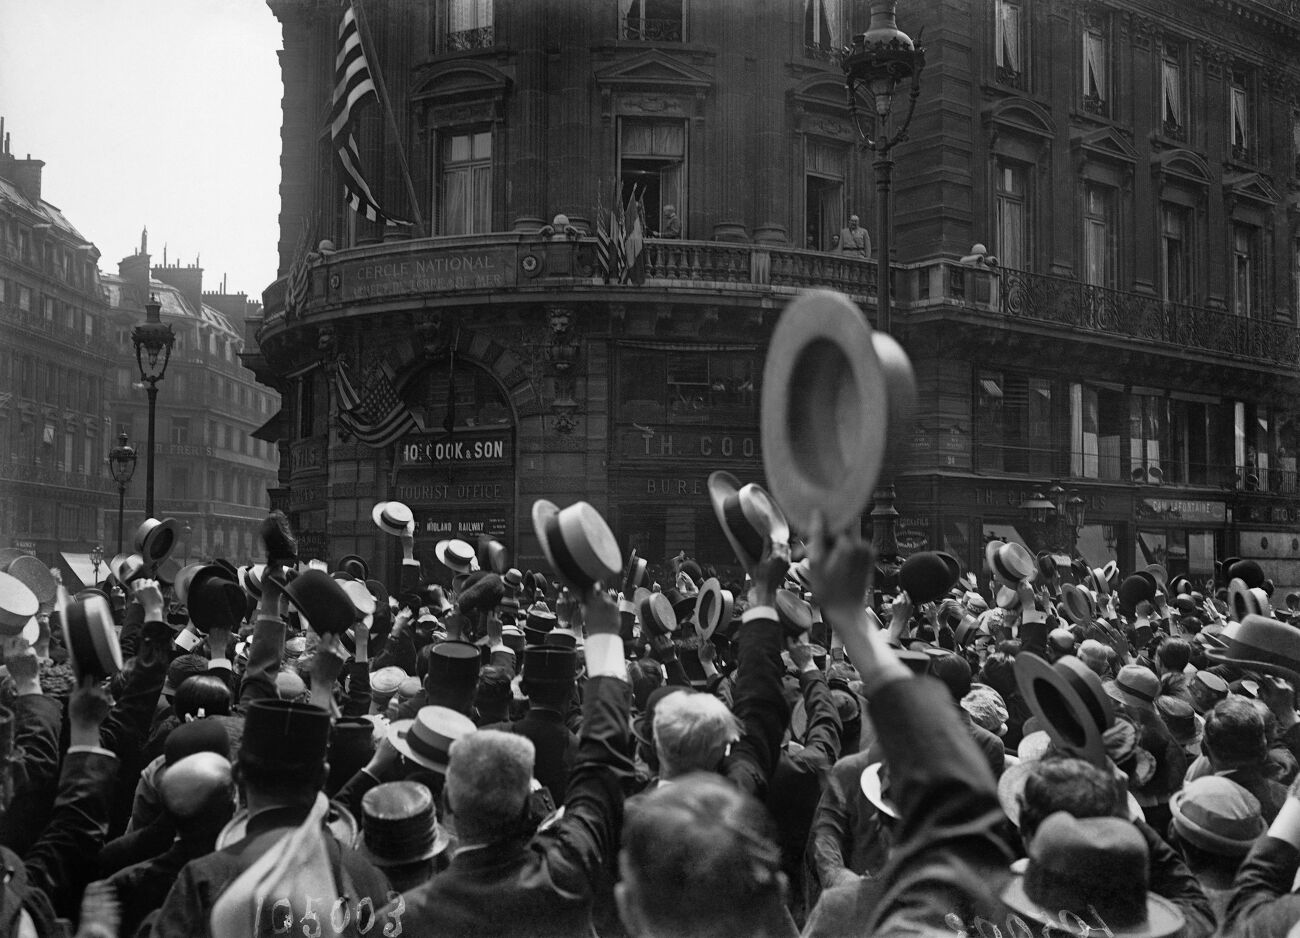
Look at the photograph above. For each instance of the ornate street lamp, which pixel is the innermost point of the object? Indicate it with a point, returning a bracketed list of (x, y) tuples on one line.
[(153, 341), (96, 558), (1059, 515), (1038, 508), (121, 463)]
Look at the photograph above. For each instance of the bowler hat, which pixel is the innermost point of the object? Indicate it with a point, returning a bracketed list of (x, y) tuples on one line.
[(426, 740), (195, 574), (399, 826), (1009, 561), (154, 539), (354, 566), (216, 603), (1078, 604), (1070, 702), (1249, 571), (17, 604), (1140, 587), (748, 515), (285, 731), (90, 638), (492, 554), (1093, 868), (1217, 815), (483, 592), (513, 579), (656, 614), (926, 577), (834, 395), (1261, 644), (321, 601), (278, 540), (392, 517), (550, 662), (708, 608), (455, 554), (578, 544)]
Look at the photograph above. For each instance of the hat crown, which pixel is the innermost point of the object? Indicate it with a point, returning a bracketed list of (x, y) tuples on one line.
[(1078, 862), (286, 731), (1218, 807)]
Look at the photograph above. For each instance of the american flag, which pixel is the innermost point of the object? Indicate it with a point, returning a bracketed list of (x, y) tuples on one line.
[(378, 417), (606, 255), (352, 84), (299, 282)]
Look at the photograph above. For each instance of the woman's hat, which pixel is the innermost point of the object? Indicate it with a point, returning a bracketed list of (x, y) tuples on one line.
[(155, 539), (392, 518), (321, 601), (426, 740), (37, 577), (708, 608), (1257, 643), (577, 542), (399, 826), (1068, 699), (1245, 601), (1009, 561), (875, 788), (1093, 868), (926, 577), (656, 614), (748, 515), (1217, 815), (90, 638), (355, 567), (492, 554), (834, 395), (456, 555), (17, 604)]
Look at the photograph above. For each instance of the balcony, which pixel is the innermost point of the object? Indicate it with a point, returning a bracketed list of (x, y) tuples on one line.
[(652, 30), (469, 40)]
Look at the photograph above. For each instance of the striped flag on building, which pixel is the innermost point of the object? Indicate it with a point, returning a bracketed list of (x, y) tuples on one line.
[(634, 244), (353, 82), (298, 285), (378, 416)]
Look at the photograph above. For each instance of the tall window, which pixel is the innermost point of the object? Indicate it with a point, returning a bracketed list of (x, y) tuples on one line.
[(1246, 259), (463, 25), (180, 430), (1097, 423), (1175, 254), (652, 165), (1009, 43), (1013, 423), (1012, 214), (1173, 116), (1099, 235), (822, 25), (1148, 428), (653, 20), (1239, 117), (823, 193), (466, 183), (1096, 94)]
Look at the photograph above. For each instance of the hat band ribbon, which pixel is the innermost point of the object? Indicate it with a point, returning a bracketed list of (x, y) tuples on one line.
[(425, 747), (1235, 648), (569, 567), (1140, 694)]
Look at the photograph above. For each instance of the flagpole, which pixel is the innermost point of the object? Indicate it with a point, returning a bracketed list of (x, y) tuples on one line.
[(377, 72)]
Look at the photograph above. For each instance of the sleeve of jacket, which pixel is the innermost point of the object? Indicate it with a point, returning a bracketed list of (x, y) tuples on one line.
[(675, 672), (354, 789), (585, 838), (1291, 740), (1172, 880), (759, 706), (127, 728), (947, 854), (357, 702), (830, 832), (399, 651), (821, 738), (186, 911), (37, 719), (132, 622), (1261, 905), (63, 860), (265, 653)]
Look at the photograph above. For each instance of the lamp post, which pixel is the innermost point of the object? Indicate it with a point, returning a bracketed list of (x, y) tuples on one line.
[(153, 340), (879, 61), (121, 463), (1059, 515), (96, 558)]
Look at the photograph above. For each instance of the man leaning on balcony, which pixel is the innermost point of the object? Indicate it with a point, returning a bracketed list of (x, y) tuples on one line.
[(854, 239)]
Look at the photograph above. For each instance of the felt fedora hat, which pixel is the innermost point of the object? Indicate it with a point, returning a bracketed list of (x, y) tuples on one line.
[(90, 638), (1261, 644), (354, 566), (794, 613), (17, 604), (455, 554), (1136, 686), (426, 740), (634, 574), (873, 785), (954, 565), (1245, 601), (926, 577), (708, 608), (321, 601), (656, 614), (37, 577), (482, 592), (826, 410), (1077, 604), (155, 538), (399, 826), (1070, 702), (748, 515), (492, 554), (1092, 868), (1009, 562), (1218, 815), (513, 580), (393, 518), (1248, 571), (578, 544)]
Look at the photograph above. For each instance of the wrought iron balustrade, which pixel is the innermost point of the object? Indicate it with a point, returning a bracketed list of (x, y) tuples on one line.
[(467, 40), (652, 30), (1072, 303), (720, 262)]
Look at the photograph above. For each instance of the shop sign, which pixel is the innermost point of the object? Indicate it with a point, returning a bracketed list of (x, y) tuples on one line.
[(913, 534), (309, 455), (1179, 509), (29, 546), (988, 497), (465, 528), (647, 442), (306, 495), (493, 449), (465, 492), (459, 268)]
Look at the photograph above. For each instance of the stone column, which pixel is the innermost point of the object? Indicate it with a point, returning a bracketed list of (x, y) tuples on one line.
[(524, 27)]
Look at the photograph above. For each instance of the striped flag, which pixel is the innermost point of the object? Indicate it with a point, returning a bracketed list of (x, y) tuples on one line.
[(604, 244), (353, 82), (378, 417), (299, 282), (634, 244)]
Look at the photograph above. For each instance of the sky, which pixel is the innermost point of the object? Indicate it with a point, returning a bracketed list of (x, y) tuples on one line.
[(153, 113)]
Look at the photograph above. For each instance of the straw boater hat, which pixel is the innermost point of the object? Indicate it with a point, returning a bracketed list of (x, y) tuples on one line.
[(17, 605), (392, 517), (875, 789), (1077, 604), (748, 516), (399, 825), (1010, 562), (828, 408), (90, 638), (1069, 701), (577, 542), (656, 613), (456, 555), (708, 608), (426, 740), (635, 574)]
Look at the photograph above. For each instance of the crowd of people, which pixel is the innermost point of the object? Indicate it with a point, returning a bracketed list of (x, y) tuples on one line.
[(838, 744)]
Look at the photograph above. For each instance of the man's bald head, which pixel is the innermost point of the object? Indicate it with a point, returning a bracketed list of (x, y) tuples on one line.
[(192, 786)]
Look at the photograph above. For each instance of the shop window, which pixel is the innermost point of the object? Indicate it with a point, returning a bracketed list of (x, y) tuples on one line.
[(1009, 43), (475, 401), (180, 482), (180, 434), (465, 183), (652, 168), (688, 388), (653, 20), (1013, 423), (823, 193), (464, 25), (1147, 432), (1013, 214), (1097, 421)]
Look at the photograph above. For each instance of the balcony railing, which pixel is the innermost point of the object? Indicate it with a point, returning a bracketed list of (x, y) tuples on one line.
[(1147, 318), (718, 262), (653, 30), (12, 470), (467, 40)]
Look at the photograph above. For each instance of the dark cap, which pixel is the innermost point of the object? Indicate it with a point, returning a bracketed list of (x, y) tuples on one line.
[(285, 731), (199, 736), (453, 663), (550, 663)]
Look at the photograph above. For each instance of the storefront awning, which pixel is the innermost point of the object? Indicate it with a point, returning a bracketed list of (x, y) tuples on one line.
[(272, 430), (82, 570)]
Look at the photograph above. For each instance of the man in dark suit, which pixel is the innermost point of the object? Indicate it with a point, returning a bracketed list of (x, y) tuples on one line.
[(501, 881), (549, 673)]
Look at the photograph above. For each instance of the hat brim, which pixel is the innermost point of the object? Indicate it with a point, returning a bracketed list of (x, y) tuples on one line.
[(441, 841), (1219, 656), (825, 411), (17, 604), (1164, 920), (722, 487), (451, 563), (377, 516), (708, 608), (1069, 701), (1203, 837), (872, 790), (397, 736)]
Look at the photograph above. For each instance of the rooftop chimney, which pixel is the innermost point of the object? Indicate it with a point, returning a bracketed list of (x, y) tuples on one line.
[(24, 174)]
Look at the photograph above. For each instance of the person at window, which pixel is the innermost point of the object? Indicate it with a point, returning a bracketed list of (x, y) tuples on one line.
[(854, 239), (672, 224)]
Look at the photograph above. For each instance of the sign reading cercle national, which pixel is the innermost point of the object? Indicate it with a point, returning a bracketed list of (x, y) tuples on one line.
[(478, 449), (452, 268)]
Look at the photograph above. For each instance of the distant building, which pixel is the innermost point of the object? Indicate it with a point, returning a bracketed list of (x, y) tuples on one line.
[(212, 474), (54, 434)]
